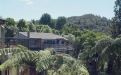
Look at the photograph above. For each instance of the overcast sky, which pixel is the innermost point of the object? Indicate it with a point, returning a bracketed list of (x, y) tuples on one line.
[(33, 9)]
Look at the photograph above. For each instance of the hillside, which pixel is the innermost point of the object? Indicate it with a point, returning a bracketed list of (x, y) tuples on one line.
[(91, 22)]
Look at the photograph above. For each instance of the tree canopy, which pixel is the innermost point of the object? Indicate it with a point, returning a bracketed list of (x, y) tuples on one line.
[(45, 19)]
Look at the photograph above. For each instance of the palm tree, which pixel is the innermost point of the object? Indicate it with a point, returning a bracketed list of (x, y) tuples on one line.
[(104, 57), (66, 65), (43, 61)]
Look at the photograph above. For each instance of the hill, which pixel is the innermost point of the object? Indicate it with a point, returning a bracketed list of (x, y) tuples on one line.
[(91, 22)]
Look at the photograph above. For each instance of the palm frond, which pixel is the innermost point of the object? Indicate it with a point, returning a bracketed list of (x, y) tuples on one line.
[(43, 60), (18, 59), (66, 65), (101, 45)]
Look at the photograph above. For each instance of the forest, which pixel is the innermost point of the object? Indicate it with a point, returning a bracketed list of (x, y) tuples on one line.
[(96, 41)]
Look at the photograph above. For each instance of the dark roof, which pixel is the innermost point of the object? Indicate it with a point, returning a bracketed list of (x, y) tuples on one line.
[(23, 35), (2, 21)]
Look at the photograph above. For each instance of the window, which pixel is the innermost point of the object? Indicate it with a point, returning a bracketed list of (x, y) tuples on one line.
[(45, 41), (57, 41), (62, 42), (49, 41), (33, 42), (53, 41)]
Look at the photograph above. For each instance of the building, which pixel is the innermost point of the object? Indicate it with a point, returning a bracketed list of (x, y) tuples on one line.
[(40, 41), (2, 40), (2, 33)]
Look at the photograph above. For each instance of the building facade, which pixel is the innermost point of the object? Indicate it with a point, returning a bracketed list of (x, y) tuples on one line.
[(40, 41)]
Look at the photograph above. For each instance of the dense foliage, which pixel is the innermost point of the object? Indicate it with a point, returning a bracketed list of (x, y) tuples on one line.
[(45, 62), (116, 21), (91, 22)]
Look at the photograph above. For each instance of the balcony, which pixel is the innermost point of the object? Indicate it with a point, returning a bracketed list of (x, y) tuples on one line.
[(57, 47)]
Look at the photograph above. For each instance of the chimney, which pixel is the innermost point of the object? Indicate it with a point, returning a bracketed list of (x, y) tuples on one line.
[(2, 36), (17, 33), (28, 34)]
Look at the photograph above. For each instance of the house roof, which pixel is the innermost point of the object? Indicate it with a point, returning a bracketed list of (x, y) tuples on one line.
[(2, 21), (24, 35)]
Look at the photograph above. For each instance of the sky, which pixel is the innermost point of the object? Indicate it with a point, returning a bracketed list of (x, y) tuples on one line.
[(33, 9)]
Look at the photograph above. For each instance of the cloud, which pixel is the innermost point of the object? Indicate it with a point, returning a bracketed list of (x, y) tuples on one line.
[(28, 2)]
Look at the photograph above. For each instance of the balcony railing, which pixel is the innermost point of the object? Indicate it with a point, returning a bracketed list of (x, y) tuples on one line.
[(33, 46), (56, 46)]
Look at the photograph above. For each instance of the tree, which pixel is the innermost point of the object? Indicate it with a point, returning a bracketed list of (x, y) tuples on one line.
[(10, 21), (60, 22), (102, 58), (22, 25), (32, 27), (45, 19), (52, 24), (54, 31), (116, 25), (66, 65), (65, 30), (47, 30), (81, 39), (43, 28), (10, 31), (91, 22), (71, 39), (33, 21), (34, 62), (10, 27)]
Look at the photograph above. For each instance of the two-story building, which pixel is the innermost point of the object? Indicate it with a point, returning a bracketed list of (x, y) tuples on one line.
[(40, 41)]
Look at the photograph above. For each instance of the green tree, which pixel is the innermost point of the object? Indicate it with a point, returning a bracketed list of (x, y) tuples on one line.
[(43, 28), (52, 24), (10, 21), (60, 22), (45, 19), (116, 25), (54, 31), (102, 58), (71, 39), (32, 27), (10, 31), (67, 65), (33, 21), (47, 30), (65, 30), (10, 27), (22, 25), (34, 62), (87, 34)]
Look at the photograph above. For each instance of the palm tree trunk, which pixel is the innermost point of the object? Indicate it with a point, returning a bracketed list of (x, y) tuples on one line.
[(32, 71), (43, 73), (17, 70)]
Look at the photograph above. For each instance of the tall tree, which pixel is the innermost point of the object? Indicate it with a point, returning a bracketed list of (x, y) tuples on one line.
[(32, 27), (22, 25), (52, 23), (60, 22), (45, 19), (117, 19), (33, 21), (10, 27), (10, 31), (10, 21)]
